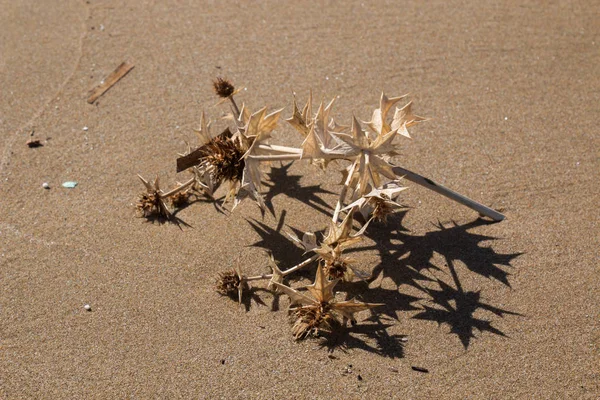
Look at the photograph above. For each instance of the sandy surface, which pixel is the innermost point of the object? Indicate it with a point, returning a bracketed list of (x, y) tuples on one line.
[(506, 310)]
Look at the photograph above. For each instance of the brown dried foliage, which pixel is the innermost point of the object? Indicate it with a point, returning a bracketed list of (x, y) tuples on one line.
[(223, 87)]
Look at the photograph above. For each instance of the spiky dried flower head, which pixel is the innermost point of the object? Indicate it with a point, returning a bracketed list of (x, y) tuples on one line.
[(180, 199), (321, 310), (147, 204), (222, 159), (309, 321), (230, 283), (151, 203), (329, 252), (336, 268), (379, 203), (223, 87), (382, 208)]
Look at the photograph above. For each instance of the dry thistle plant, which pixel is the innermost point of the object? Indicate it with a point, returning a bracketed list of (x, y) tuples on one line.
[(371, 185)]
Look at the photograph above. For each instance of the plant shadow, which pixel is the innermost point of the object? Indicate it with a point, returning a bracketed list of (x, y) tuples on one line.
[(360, 336), (412, 263), (173, 219), (281, 182), (275, 241), (410, 260)]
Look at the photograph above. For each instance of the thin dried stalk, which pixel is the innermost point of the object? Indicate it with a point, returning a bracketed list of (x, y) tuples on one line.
[(444, 191)]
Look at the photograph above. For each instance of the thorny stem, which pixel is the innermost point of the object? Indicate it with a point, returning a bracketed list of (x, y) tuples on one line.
[(286, 272), (301, 265), (342, 197), (258, 277), (280, 149), (277, 157), (234, 106), (178, 189), (444, 191), (373, 183)]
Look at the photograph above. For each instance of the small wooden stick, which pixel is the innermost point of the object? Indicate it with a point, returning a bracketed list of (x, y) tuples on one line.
[(109, 81), (459, 198)]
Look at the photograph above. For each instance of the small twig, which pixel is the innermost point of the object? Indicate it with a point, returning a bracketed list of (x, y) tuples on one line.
[(109, 81)]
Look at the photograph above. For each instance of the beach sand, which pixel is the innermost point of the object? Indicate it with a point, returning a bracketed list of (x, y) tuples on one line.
[(503, 310)]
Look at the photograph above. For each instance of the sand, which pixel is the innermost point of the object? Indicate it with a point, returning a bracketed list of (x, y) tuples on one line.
[(504, 310)]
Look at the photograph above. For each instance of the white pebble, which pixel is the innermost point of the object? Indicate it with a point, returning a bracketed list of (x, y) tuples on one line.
[(46, 185), (85, 128), (87, 307)]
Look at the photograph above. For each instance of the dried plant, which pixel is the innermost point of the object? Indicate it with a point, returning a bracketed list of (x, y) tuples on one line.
[(321, 311), (370, 186), (232, 283)]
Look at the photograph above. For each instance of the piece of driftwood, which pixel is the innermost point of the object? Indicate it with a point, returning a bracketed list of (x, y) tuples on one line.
[(109, 81)]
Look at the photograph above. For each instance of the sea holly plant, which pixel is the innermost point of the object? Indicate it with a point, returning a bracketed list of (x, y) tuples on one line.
[(370, 186)]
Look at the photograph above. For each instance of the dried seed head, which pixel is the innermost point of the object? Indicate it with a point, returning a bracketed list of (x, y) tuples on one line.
[(222, 159), (382, 209), (335, 268), (180, 199), (151, 205), (310, 320), (228, 283), (223, 87)]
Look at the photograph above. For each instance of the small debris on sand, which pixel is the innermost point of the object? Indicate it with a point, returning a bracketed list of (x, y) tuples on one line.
[(33, 143), (69, 184), (110, 80)]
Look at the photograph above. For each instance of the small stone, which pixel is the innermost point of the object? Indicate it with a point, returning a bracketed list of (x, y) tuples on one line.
[(69, 184), (404, 339), (46, 185), (85, 128), (87, 307), (33, 143)]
